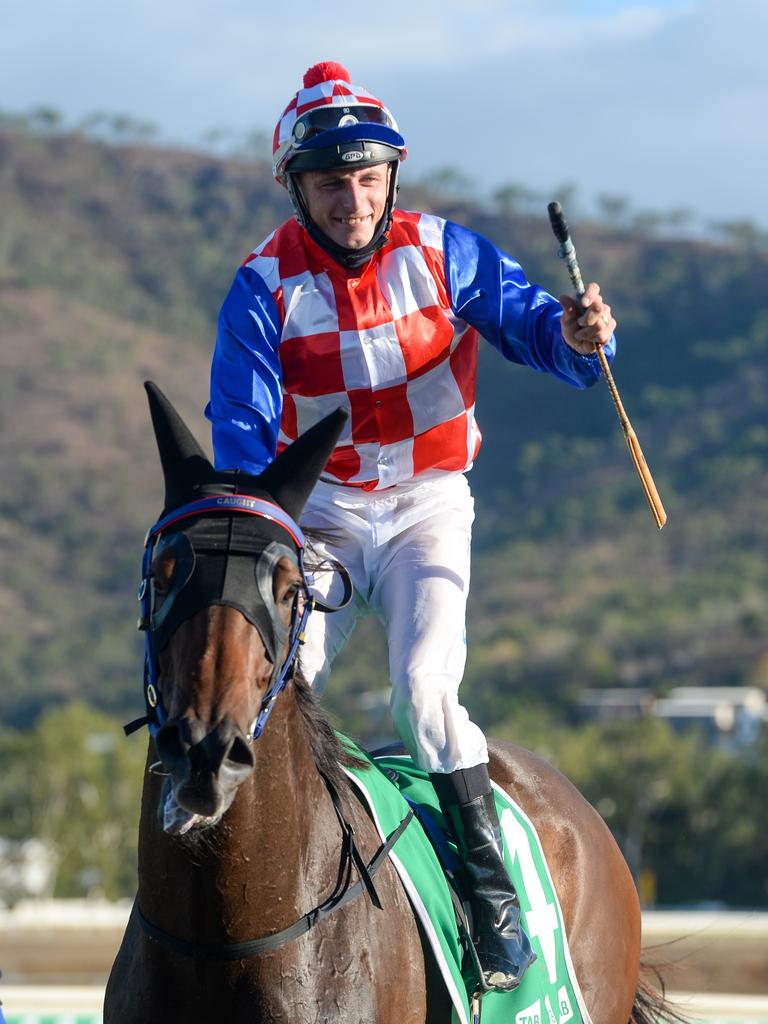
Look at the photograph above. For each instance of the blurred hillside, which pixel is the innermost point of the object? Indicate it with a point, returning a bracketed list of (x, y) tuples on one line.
[(113, 262)]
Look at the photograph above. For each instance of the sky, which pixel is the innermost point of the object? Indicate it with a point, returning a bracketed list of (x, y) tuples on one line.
[(664, 102)]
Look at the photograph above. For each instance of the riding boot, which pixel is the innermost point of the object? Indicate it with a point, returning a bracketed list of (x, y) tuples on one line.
[(503, 948)]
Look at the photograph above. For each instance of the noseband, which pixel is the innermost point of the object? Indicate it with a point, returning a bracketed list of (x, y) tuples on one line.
[(157, 622)]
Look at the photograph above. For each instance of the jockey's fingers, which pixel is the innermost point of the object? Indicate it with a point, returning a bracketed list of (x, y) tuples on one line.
[(596, 315)]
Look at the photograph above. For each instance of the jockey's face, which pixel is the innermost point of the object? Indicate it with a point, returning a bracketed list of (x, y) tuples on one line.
[(347, 205)]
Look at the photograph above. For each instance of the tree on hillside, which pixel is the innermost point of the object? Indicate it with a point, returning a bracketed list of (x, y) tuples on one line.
[(74, 782)]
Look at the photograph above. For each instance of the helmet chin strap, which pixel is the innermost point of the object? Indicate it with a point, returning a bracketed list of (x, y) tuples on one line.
[(349, 258)]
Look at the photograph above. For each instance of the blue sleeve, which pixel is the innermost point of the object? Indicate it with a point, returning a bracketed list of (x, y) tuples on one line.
[(246, 379), (489, 291)]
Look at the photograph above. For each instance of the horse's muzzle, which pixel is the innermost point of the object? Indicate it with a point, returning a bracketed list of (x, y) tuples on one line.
[(206, 767)]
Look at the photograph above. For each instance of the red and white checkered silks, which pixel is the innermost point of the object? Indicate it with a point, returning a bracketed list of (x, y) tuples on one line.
[(386, 346)]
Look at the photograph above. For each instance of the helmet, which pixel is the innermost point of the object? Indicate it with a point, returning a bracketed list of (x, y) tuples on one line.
[(332, 124), (326, 123)]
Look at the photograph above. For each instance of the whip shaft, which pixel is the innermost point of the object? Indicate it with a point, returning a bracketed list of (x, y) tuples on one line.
[(567, 251)]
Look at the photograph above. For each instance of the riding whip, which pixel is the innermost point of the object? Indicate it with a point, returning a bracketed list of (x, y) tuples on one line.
[(567, 251)]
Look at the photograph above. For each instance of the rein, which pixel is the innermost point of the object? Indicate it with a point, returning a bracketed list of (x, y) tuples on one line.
[(343, 893)]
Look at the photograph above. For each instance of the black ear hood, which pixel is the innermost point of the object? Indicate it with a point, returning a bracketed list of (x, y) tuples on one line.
[(189, 474)]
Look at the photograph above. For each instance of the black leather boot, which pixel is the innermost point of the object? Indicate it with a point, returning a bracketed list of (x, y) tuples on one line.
[(503, 948)]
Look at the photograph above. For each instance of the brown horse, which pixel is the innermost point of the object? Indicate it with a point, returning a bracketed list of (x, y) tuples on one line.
[(243, 839)]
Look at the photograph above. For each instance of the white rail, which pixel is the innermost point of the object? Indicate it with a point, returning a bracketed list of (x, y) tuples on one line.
[(63, 1004), (723, 1007)]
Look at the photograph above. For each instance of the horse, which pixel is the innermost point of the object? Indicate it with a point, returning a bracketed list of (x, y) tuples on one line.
[(257, 900)]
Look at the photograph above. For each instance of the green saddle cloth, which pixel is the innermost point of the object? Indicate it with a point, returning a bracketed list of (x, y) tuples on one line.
[(549, 992)]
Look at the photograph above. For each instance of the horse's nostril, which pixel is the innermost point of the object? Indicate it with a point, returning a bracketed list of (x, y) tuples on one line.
[(169, 744), (240, 753), (187, 751)]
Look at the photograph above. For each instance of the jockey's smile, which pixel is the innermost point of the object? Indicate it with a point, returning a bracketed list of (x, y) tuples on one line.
[(346, 205)]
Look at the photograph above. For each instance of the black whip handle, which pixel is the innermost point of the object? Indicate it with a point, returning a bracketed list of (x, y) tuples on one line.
[(566, 249)]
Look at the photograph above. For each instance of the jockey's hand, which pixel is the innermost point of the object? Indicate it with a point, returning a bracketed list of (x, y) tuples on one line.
[(586, 323)]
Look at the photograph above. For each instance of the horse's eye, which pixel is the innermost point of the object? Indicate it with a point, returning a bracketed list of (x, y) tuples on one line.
[(162, 574)]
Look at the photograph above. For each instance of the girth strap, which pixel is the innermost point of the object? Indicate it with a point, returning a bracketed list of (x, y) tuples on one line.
[(343, 893)]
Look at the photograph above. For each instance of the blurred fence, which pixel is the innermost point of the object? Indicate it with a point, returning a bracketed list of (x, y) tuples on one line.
[(55, 958), (27, 1004), (48, 1004)]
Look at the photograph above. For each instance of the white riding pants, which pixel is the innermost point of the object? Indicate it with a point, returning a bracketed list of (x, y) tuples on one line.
[(407, 550)]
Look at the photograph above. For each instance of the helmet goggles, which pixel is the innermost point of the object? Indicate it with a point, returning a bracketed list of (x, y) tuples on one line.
[(326, 118), (333, 127)]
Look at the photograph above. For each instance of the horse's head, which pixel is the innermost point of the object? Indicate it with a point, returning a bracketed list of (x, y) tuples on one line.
[(224, 557)]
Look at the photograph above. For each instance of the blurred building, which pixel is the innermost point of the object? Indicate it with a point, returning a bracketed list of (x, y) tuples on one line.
[(27, 868), (729, 717)]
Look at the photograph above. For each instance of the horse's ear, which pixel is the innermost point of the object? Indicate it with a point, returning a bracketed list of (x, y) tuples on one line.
[(292, 475), (184, 463)]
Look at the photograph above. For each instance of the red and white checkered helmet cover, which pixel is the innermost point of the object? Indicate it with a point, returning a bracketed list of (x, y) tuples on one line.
[(325, 84)]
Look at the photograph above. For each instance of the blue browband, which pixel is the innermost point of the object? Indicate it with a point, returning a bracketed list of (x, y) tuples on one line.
[(230, 503), (156, 715)]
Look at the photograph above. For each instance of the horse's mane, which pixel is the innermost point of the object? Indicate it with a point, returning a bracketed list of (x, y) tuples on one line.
[(331, 756)]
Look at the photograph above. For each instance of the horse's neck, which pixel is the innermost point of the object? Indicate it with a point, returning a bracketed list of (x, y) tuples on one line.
[(272, 858)]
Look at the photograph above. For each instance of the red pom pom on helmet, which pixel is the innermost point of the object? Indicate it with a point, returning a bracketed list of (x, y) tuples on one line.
[(326, 71)]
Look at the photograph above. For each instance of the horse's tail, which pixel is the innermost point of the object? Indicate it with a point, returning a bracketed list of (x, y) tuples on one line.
[(651, 1005)]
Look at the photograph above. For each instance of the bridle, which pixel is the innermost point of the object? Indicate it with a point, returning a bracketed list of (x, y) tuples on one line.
[(303, 603), (156, 716)]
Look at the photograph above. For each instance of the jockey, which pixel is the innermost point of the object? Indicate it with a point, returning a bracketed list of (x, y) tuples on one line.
[(353, 303)]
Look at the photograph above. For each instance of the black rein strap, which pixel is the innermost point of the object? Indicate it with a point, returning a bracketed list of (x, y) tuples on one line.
[(343, 893)]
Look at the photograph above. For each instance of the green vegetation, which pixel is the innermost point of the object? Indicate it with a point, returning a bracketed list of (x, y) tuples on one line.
[(73, 782), (113, 262)]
